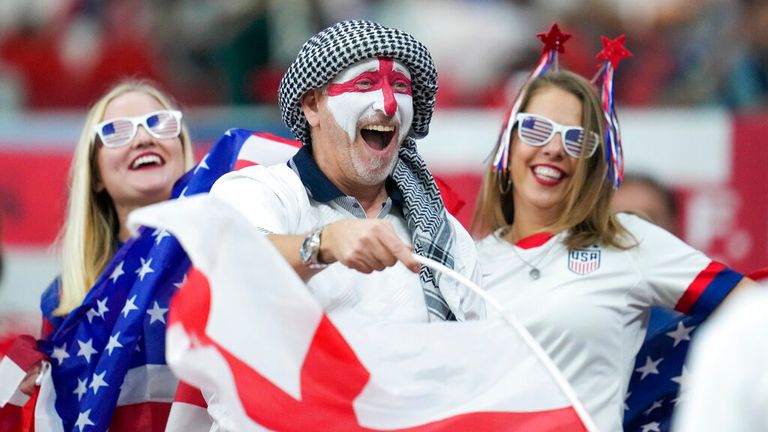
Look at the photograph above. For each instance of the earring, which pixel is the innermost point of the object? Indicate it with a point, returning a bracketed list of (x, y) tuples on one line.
[(504, 185)]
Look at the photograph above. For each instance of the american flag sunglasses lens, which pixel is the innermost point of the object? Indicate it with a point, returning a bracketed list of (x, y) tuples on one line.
[(574, 141), (163, 125), (117, 132), (535, 131)]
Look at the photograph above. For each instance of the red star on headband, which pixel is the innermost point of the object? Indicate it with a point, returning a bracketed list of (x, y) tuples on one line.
[(554, 39), (614, 50)]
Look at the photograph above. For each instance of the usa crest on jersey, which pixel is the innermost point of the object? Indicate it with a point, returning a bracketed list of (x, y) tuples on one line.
[(583, 261)]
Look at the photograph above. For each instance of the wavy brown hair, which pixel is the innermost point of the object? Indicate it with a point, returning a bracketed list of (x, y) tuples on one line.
[(587, 212)]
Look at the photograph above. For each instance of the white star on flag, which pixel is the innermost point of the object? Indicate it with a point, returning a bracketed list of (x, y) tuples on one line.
[(60, 353), (113, 343), (656, 404), (649, 367), (160, 234), (680, 379), (202, 165), (681, 333), (626, 407), (651, 427), (145, 268), (86, 350), (117, 272), (98, 382), (81, 388), (91, 314), (157, 313), (129, 306), (102, 305), (181, 283), (83, 420), (183, 193)]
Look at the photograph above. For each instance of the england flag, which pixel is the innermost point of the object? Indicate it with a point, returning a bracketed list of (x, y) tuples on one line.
[(245, 329)]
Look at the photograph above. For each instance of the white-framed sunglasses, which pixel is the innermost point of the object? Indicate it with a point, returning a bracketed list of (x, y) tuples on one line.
[(537, 131), (118, 132)]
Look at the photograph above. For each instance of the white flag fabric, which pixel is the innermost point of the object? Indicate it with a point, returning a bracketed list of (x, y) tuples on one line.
[(245, 328)]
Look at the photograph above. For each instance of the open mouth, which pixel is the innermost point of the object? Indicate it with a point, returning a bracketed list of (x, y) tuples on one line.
[(147, 160), (547, 175), (377, 137)]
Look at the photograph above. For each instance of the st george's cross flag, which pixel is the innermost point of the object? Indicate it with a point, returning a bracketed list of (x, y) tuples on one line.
[(245, 328), (108, 366)]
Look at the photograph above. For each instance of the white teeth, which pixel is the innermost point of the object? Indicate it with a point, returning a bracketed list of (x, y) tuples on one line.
[(147, 160), (548, 172), (379, 128)]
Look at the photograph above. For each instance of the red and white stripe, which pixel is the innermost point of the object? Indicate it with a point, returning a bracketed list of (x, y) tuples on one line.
[(144, 402), (264, 148)]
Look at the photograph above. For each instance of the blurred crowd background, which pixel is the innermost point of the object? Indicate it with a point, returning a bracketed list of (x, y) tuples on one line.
[(62, 53)]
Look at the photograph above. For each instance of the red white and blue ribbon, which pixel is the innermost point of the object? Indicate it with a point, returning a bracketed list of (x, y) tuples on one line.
[(613, 52), (554, 43)]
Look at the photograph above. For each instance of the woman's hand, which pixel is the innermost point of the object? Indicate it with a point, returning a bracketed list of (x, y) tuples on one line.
[(27, 385)]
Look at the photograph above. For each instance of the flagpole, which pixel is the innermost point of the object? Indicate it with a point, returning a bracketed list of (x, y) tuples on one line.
[(523, 332)]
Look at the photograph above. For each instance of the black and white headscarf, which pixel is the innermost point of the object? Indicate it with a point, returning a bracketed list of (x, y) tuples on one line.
[(336, 48)]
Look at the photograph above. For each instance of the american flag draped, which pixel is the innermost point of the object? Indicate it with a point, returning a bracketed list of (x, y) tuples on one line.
[(109, 352), (654, 389)]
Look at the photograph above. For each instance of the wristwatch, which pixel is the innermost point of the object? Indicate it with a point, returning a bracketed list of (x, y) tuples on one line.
[(310, 250)]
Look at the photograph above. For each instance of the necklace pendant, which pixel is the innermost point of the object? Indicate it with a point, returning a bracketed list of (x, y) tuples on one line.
[(534, 273)]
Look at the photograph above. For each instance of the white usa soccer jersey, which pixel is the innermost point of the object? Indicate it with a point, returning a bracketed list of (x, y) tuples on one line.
[(589, 307)]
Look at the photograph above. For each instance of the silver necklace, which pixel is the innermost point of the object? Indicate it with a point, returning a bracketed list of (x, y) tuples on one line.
[(534, 273)]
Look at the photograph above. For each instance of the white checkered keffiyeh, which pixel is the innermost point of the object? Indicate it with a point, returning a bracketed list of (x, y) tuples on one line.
[(322, 58)]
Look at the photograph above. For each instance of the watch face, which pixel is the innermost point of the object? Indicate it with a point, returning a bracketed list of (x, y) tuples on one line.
[(305, 253)]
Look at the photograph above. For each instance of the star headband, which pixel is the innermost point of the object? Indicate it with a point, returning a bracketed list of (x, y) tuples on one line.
[(554, 43)]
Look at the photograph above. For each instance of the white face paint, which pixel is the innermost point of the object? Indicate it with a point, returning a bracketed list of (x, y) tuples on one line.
[(376, 91)]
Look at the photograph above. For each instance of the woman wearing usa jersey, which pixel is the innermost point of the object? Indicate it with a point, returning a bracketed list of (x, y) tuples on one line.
[(580, 278)]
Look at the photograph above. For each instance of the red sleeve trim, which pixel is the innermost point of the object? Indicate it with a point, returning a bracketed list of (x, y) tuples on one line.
[(697, 287)]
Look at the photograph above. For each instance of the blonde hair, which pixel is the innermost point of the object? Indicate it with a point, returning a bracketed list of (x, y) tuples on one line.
[(90, 233), (587, 213)]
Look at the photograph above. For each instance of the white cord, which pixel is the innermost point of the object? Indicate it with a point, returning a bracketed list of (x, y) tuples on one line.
[(522, 332)]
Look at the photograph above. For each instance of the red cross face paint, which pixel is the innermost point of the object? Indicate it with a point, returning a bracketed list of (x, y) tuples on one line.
[(373, 97)]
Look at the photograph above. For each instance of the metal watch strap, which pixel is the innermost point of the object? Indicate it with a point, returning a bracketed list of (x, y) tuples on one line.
[(310, 250)]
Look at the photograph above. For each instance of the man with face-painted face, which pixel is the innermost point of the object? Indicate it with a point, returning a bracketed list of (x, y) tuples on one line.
[(350, 208)]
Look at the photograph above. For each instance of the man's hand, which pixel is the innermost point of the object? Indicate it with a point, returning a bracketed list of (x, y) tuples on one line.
[(365, 245)]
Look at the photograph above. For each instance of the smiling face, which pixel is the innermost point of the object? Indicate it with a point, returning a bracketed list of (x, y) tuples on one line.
[(143, 171), (541, 175), (361, 120)]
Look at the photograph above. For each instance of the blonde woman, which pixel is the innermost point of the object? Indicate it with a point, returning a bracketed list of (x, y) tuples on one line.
[(115, 173), (581, 278), (133, 148)]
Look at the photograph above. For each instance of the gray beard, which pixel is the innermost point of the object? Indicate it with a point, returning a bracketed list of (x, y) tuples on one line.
[(373, 173)]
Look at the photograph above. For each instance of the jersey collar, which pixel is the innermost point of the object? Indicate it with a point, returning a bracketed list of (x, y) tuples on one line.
[(534, 240)]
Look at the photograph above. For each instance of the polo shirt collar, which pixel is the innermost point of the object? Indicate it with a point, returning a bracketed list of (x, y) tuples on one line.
[(318, 185), (315, 181)]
